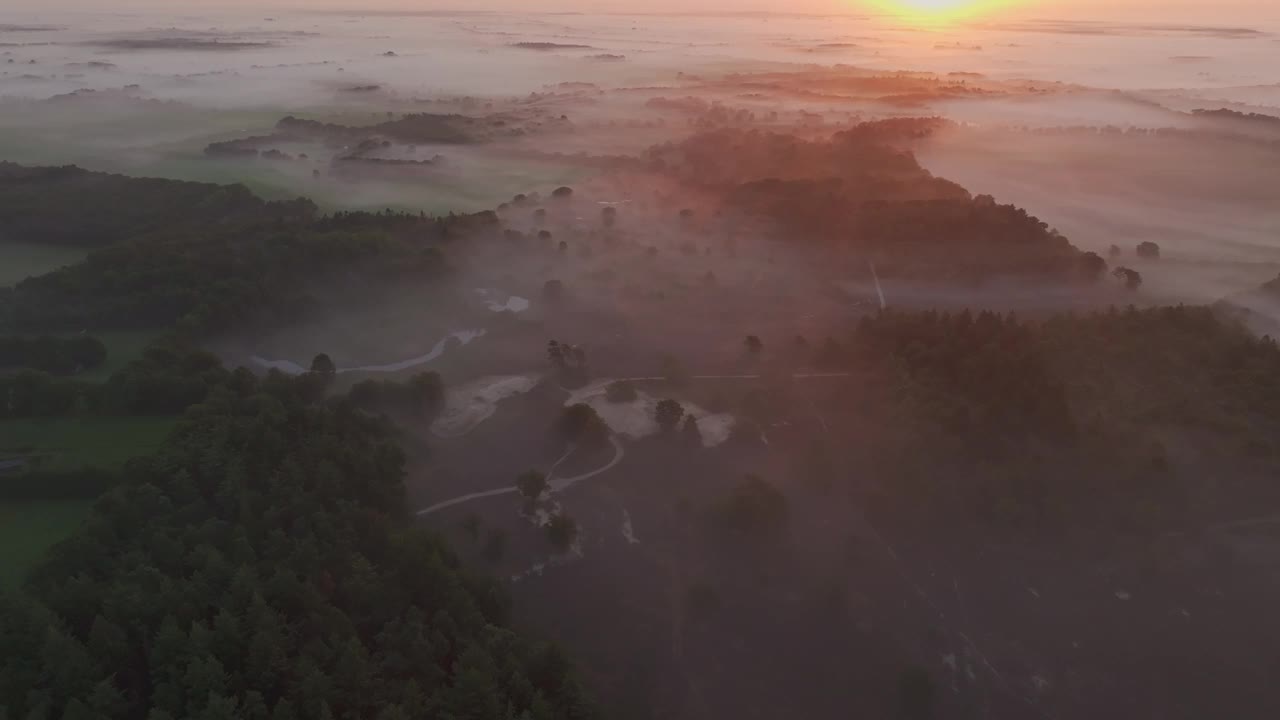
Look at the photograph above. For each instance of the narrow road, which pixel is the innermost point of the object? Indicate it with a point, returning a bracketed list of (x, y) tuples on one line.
[(467, 498), (554, 484), (561, 484)]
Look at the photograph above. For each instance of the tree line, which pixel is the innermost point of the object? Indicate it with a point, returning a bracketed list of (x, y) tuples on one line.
[(53, 355), (262, 565)]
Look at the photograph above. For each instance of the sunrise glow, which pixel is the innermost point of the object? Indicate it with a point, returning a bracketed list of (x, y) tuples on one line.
[(937, 10)]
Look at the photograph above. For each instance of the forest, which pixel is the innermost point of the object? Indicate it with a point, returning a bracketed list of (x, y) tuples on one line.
[(54, 355), (862, 190), (261, 565), (223, 258), (1065, 423)]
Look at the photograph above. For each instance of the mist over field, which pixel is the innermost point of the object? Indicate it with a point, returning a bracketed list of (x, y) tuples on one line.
[(904, 359)]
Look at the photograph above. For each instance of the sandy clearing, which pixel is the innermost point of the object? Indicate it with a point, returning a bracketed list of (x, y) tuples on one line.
[(513, 303), (474, 402), (635, 419)]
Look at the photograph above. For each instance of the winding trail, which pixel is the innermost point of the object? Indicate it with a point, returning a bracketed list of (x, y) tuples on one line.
[(554, 484), (561, 484), (558, 485), (467, 498)]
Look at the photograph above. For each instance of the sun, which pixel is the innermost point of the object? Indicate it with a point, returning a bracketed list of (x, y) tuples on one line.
[(936, 9), (933, 5)]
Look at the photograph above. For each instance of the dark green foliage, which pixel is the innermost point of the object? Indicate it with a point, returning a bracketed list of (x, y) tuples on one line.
[(262, 565), (166, 380), (1092, 266), (562, 531), (1132, 279), (208, 279), (562, 193), (495, 546), (690, 435), (532, 485), (420, 397), (566, 356), (88, 482), (200, 258), (582, 424), (860, 189), (54, 355), (668, 414), (1061, 423), (323, 366), (989, 361), (70, 206), (1148, 250)]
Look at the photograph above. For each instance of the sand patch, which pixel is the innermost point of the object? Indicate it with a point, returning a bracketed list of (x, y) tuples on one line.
[(470, 404), (635, 419)]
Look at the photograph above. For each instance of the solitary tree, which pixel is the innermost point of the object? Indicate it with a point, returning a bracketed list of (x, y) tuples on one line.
[(691, 434), (532, 485), (668, 414), (753, 344), (323, 366), (424, 393), (581, 424), (562, 192), (1132, 279), (1148, 251)]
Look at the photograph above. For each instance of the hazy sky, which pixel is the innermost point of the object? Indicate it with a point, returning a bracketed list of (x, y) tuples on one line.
[(1219, 11)]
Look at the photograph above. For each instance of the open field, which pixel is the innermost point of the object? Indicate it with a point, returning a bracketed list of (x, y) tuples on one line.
[(19, 260), (63, 444), (30, 527)]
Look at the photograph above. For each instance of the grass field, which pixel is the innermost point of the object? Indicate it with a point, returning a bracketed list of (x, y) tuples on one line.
[(19, 260), (28, 528), (62, 444)]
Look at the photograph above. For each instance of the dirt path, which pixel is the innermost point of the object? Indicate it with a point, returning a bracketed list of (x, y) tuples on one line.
[(561, 484), (555, 485)]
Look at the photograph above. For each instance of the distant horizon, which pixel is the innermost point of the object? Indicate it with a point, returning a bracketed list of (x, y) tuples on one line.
[(1151, 12)]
